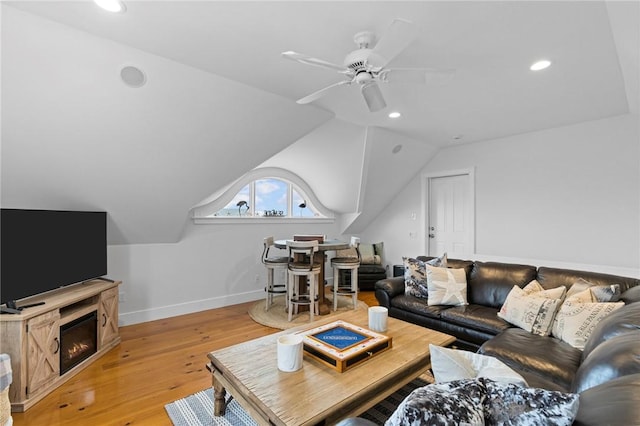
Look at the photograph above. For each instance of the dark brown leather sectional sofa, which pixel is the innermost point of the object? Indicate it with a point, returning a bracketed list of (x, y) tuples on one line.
[(606, 373)]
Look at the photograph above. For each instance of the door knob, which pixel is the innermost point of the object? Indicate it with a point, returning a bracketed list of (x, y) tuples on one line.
[(432, 235)]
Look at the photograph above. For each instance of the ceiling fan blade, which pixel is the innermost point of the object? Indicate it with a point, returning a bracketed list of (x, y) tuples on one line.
[(399, 35), (317, 95), (431, 76), (373, 96), (308, 60)]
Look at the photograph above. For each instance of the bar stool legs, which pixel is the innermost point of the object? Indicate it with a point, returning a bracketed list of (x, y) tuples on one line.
[(340, 289), (295, 298)]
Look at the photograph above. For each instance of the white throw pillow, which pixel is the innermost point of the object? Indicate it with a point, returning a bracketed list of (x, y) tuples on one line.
[(367, 254), (534, 287), (446, 286), (533, 311), (576, 319), (451, 364)]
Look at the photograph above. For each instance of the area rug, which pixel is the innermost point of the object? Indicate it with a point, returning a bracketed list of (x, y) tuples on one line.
[(197, 409), (276, 316)]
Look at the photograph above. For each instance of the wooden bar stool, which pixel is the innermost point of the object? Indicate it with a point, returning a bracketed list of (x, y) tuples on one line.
[(301, 265), (274, 264), (348, 263)]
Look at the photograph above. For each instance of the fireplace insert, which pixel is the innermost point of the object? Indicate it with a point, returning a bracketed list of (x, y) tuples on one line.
[(78, 341)]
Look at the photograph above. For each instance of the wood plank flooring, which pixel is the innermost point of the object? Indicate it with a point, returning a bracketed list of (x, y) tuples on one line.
[(156, 363)]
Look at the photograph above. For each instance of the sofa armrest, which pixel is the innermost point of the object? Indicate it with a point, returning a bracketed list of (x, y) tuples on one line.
[(616, 403), (389, 288)]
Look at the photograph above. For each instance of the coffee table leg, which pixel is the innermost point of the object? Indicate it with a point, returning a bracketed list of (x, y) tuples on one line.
[(219, 402)]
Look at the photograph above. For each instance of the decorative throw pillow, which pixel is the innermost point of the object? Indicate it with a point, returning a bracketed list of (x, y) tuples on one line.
[(451, 364), (576, 320), (599, 293), (415, 278), (534, 287), (533, 311), (454, 403), (415, 275), (484, 401), (510, 404), (446, 286), (367, 253), (378, 248)]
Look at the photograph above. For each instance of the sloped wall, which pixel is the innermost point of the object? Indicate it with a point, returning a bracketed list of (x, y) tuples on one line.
[(75, 137)]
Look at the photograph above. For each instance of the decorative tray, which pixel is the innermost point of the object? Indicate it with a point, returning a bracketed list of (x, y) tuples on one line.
[(341, 345)]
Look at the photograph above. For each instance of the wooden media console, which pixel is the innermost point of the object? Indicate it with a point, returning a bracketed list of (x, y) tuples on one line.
[(34, 339)]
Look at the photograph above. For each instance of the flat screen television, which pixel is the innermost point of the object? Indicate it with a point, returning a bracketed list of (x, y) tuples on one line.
[(41, 250)]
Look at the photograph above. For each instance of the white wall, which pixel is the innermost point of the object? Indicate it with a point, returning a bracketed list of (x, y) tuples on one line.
[(212, 266), (567, 197)]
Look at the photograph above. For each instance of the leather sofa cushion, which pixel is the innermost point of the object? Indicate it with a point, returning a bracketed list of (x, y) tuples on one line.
[(477, 317), (544, 356), (553, 277), (616, 402), (490, 282), (622, 321), (617, 357), (417, 306), (372, 269)]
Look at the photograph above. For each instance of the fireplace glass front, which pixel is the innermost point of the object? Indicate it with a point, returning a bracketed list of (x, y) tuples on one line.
[(78, 341)]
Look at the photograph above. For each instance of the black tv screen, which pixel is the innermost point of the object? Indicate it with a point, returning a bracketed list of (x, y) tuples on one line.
[(41, 250)]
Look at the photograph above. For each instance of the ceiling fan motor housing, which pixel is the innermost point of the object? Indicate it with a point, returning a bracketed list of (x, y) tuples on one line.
[(357, 62)]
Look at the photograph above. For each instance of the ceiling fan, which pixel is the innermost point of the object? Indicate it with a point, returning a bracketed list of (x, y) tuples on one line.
[(366, 66)]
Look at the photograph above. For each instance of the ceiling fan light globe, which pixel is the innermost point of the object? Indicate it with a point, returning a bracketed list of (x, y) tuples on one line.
[(363, 77)]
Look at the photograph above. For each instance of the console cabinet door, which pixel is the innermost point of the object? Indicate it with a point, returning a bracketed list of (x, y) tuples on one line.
[(108, 317), (43, 350)]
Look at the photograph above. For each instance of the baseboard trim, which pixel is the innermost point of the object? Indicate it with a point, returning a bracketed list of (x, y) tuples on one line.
[(136, 317)]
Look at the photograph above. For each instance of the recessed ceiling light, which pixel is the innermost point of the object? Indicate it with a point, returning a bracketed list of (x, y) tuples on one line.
[(540, 65), (394, 114), (396, 149), (115, 6)]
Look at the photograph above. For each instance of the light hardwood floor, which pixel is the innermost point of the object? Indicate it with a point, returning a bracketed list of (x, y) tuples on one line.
[(156, 363)]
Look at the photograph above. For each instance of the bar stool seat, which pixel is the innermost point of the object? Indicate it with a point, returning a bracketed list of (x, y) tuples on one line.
[(346, 263)]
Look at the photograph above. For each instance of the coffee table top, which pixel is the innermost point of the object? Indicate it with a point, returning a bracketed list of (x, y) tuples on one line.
[(316, 392)]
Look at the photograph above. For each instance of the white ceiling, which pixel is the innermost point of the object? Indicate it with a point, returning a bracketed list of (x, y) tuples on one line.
[(489, 44), (220, 98)]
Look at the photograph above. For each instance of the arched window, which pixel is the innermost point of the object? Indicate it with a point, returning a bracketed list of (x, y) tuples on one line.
[(262, 194)]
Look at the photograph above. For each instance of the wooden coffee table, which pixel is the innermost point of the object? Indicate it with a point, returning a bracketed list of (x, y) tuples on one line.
[(317, 394)]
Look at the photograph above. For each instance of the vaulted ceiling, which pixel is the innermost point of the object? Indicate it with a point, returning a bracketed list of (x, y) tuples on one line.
[(220, 98)]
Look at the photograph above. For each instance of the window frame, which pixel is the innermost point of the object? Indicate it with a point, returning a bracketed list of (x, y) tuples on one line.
[(202, 213)]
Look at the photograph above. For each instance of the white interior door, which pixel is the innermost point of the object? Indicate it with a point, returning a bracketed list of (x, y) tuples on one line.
[(450, 219)]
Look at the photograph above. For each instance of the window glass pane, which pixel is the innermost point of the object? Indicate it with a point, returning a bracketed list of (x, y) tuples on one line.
[(300, 206), (239, 206), (271, 198)]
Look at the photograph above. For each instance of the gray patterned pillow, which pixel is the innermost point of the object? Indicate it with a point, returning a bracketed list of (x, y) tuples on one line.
[(599, 293), (415, 275), (452, 403), (510, 404)]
